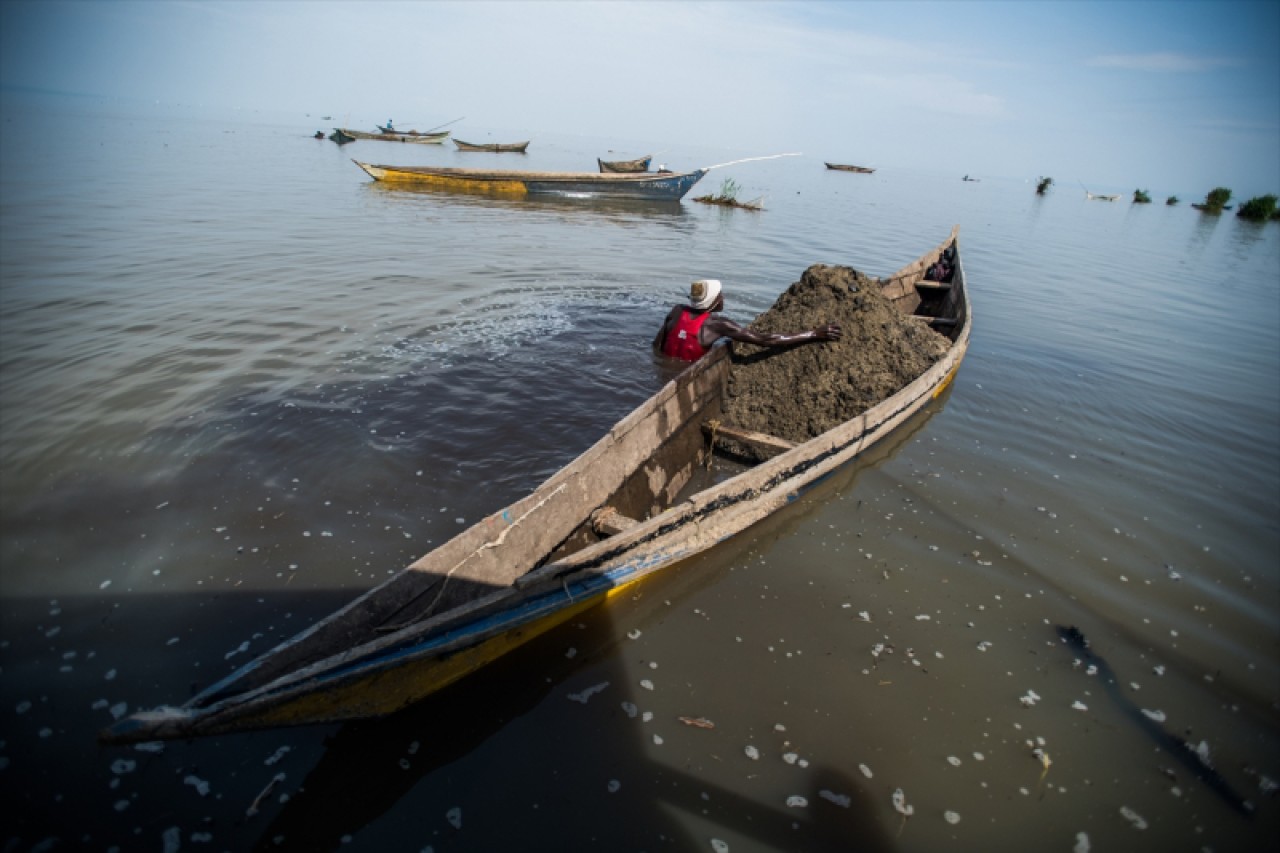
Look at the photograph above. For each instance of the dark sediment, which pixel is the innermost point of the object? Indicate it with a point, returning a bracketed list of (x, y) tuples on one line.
[(800, 392)]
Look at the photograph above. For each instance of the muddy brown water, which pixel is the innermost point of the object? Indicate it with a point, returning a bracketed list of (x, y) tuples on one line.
[(230, 403)]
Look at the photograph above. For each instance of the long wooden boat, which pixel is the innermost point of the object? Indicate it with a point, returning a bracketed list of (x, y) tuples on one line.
[(623, 510), (640, 164), (1094, 197), (649, 186), (420, 138), (516, 147), (859, 169)]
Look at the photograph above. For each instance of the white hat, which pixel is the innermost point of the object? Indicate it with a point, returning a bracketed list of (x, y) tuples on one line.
[(703, 293)]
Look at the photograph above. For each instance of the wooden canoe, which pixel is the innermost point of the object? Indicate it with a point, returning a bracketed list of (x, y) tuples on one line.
[(420, 138), (1093, 197), (620, 512), (514, 147), (648, 186), (640, 164), (863, 170)]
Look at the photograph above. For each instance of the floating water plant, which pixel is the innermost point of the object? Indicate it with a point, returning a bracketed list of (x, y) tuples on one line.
[(1141, 197), (728, 197), (1215, 201), (1259, 209), (1171, 200), (1043, 185)]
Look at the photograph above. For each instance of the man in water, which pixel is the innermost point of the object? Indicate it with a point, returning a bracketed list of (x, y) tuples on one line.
[(690, 330)]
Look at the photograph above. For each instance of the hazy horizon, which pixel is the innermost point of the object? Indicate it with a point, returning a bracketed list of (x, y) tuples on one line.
[(1173, 97)]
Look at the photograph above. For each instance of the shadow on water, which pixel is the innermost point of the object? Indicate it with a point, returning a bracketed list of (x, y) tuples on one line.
[(471, 742)]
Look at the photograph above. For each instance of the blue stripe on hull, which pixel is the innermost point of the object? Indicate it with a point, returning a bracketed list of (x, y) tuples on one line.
[(658, 189)]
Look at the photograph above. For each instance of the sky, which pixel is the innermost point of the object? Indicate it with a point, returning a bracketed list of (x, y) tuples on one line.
[(1174, 96)]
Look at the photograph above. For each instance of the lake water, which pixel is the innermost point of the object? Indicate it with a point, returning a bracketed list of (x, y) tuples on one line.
[(242, 383)]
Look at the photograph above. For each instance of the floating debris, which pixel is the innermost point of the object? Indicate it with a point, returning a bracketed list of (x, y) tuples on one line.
[(630, 709), (697, 722), (1079, 706), (279, 754), (719, 846), (657, 740), (150, 746), (454, 816), (201, 786), (614, 786), (1030, 698), (984, 645), (266, 792), (123, 765), (634, 634), (900, 804), (588, 693), (866, 771), (646, 684), (1082, 843), (864, 616), (752, 753), (1133, 817), (953, 761), (171, 839), (795, 801), (951, 817), (1158, 716), (841, 800)]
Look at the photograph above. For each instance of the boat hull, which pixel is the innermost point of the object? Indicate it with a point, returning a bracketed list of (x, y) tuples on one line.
[(647, 187), (625, 167), (511, 147), (417, 138), (556, 552)]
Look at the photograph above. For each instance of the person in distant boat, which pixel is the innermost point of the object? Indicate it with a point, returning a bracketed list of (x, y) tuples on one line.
[(691, 330)]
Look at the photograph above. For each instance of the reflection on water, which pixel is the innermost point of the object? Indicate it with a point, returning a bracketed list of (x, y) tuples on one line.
[(224, 413)]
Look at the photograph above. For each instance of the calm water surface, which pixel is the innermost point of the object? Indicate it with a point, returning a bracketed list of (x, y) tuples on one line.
[(242, 383)]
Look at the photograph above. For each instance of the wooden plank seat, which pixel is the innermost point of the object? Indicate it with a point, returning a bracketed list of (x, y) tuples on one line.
[(767, 446)]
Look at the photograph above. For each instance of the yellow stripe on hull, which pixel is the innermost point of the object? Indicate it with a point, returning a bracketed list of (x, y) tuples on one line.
[(385, 692), (393, 176)]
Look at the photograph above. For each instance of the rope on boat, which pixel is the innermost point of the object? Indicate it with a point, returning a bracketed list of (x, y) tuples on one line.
[(751, 159), (494, 544)]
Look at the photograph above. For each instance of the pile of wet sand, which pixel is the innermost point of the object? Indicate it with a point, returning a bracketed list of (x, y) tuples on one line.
[(800, 392)]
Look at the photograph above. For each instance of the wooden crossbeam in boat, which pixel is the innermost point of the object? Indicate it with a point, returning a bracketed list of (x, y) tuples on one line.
[(936, 320), (607, 521), (766, 445)]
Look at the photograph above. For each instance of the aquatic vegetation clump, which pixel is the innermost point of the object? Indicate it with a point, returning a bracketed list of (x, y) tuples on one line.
[(1043, 185), (1141, 197), (1259, 209)]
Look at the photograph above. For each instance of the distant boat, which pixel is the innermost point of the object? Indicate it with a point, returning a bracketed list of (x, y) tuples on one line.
[(1100, 197), (340, 137), (862, 170), (421, 138), (971, 180), (649, 186), (640, 164), (516, 147)]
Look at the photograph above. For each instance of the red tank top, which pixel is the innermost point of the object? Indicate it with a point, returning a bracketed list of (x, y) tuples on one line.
[(682, 341)]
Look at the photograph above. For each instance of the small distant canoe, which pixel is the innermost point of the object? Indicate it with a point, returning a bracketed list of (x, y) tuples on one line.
[(421, 138), (426, 133), (648, 186), (340, 137), (640, 164), (862, 170), (516, 147), (622, 511), (1100, 197)]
